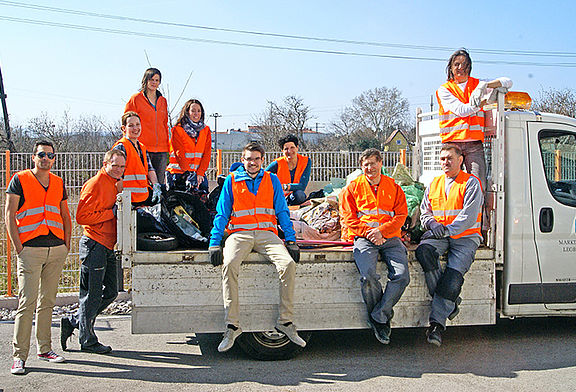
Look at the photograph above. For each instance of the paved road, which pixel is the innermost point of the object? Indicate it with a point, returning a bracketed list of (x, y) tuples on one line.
[(522, 355)]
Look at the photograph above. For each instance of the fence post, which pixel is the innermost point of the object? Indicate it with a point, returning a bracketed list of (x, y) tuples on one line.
[(219, 161), (8, 244), (403, 157)]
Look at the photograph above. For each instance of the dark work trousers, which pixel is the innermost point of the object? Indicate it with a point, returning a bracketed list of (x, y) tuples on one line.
[(379, 303), (98, 287)]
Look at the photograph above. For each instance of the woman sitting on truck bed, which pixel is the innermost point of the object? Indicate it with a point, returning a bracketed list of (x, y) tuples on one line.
[(190, 149)]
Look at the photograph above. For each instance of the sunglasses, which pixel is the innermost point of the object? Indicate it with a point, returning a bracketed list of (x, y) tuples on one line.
[(43, 154)]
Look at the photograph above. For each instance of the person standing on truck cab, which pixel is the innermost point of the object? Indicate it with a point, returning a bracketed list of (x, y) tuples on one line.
[(451, 212), (373, 209), (98, 274), (152, 108), (460, 102), (250, 206), (139, 171), (190, 149), (292, 169), (39, 225)]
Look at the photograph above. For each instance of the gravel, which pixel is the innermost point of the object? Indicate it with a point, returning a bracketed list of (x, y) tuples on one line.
[(115, 308)]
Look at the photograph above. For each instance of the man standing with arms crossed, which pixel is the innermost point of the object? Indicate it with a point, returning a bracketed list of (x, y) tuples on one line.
[(373, 209), (250, 206), (39, 226), (98, 274), (451, 211)]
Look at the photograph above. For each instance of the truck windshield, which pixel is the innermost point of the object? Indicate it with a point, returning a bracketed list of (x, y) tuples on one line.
[(558, 149)]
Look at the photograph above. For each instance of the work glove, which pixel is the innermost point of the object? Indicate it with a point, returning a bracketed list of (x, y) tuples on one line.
[(494, 95), (156, 193), (191, 181), (437, 230), (478, 94), (294, 250), (216, 255)]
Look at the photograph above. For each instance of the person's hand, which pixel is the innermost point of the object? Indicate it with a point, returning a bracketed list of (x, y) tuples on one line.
[(375, 236), (120, 185), (115, 210), (156, 193), (216, 255), (200, 180), (294, 250), (477, 95)]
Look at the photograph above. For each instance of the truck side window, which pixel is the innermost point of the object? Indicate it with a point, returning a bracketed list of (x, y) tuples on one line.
[(558, 149)]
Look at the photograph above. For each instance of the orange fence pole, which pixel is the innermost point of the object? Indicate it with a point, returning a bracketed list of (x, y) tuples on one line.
[(403, 157), (558, 166), (8, 244), (219, 161)]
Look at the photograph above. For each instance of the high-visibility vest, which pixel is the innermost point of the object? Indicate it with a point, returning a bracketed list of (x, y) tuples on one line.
[(375, 210), (445, 210), (187, 149), (40, 213), (283, 172), (136, 173), (253, 211), (454, 128)]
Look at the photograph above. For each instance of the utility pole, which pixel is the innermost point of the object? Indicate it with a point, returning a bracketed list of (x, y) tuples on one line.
[(215, 115), (431, 103), (9, 143)]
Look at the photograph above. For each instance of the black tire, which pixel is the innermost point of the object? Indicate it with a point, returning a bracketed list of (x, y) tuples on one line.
[(156, 241), (271, 345)]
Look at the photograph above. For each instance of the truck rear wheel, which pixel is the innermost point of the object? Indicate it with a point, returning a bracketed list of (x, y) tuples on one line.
[(271, 345)]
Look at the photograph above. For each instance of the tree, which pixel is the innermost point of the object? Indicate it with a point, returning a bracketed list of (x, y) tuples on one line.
[(291, 116), (371, 118), (556, 101)]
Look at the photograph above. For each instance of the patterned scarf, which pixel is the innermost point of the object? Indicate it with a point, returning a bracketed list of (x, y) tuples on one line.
[(192, 129)]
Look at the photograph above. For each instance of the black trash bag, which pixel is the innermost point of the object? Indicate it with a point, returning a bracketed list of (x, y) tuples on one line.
[(215, 195), (187, 218), (148, 220)]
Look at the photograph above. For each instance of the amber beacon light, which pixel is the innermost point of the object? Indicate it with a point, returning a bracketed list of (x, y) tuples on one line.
[(516, 100)]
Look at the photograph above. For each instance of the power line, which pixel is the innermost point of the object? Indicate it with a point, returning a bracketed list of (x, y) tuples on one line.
[(290, 36), (261, 46)]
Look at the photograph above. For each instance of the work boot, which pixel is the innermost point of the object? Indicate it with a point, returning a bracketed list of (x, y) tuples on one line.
[(456, 310), (289, 329), (381, 330), (434, 334), (97, 348), (232, 332), (66, 330)]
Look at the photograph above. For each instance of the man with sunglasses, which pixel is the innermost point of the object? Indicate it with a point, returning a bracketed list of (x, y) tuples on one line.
[(98, 274), (250, 207), (39, 226)]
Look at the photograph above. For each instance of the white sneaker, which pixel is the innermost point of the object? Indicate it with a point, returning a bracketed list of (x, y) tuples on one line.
[(18, 367), (228, 340), (290, 332), (51, 356)]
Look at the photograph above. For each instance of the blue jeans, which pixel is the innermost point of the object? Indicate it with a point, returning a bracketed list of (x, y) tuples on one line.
[(296, 198), (98, 287), (461, 252), (379, 303)]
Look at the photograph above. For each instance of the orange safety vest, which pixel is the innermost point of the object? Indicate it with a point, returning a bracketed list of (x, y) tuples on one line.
[(445, 210), (250, 211), (187, 149), (40, 213), (454, 128), (375, 210), (136, 173), (283, 172)]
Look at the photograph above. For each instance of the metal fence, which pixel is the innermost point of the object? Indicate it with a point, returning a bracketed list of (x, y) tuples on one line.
[(77, 168)]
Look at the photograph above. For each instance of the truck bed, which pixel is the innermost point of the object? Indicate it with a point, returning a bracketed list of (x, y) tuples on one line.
[(181, 292)]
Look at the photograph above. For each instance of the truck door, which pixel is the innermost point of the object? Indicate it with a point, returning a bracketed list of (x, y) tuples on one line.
[(553, 189)]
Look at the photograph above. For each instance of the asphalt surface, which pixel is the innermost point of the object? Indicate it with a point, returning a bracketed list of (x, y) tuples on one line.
[(520, 355)]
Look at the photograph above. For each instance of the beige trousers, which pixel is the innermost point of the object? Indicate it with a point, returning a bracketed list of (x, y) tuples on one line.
[(237, 247), (39, 271)]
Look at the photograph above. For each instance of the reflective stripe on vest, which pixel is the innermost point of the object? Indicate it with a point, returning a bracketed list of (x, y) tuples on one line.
[(186, 150), (283, 171), (446, 209), (250, 211), (136, 173), (454, 128), (375, 210), (40, 213)]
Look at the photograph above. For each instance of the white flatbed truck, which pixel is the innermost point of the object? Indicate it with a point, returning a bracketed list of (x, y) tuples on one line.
[(528, 269)]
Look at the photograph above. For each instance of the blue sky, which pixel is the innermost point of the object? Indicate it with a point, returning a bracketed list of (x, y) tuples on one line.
[(53, 69)]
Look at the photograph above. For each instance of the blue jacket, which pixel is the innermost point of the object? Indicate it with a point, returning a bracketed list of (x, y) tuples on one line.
[(226, 200)]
